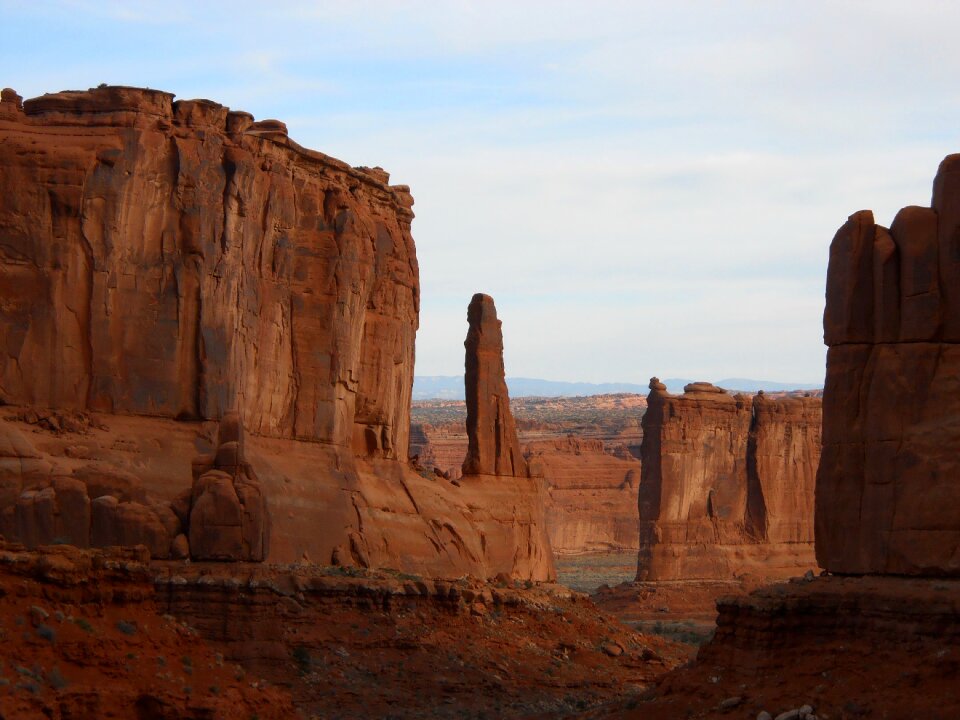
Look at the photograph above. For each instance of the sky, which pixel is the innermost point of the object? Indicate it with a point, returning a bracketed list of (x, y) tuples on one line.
[(645, 188)]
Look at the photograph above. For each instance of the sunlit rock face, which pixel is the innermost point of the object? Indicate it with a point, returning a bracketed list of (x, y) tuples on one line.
[(177, 259), (165, 264), (727, 484), (493, 447)]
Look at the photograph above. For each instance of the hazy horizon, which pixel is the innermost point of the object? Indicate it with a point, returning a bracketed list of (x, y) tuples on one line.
[(645, 189)]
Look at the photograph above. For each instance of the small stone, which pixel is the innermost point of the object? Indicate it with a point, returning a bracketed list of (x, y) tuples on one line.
[(478, 609), (789, 715), (730, 703), (180, 547), (764, 715), (612, 649)]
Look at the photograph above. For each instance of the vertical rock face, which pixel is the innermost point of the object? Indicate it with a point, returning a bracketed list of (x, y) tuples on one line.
[(726, 484), (783, 452), (493, 447), (888, 499), (177, 259), (164, 262)]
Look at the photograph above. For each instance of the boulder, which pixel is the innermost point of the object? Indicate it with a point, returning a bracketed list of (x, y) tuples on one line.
[(138, 524), (73, 512), (228, 515)]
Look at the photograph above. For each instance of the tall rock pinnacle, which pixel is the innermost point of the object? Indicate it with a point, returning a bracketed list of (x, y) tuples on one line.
[(493, 445)]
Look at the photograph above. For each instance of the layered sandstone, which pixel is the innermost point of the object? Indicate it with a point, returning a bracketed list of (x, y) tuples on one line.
[(848, 647), (163, 263), (402, 646), (726, 484), (492, 444), (441, 448), (591, 503), (887, 493)]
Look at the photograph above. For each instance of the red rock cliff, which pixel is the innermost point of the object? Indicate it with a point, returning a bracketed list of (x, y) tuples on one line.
[(726, 484), (887, 490), (164, 263), (177, 259)]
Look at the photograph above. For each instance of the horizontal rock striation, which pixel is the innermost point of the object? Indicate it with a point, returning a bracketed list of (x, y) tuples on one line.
[(91, 642), (887, 490), (726, 484), (591, 503)]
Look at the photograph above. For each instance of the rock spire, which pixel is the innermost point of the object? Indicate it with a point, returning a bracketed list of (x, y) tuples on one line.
[(493, 445)]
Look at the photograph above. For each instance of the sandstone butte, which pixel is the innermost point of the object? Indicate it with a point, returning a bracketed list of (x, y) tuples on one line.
[(727, 484), (888, 499), (207, 347)]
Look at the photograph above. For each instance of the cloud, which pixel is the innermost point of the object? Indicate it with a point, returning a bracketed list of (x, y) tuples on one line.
[(644, 187)]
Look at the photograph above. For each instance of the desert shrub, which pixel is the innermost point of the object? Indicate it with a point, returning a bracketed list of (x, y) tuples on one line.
[(56, 680), (127, 628)]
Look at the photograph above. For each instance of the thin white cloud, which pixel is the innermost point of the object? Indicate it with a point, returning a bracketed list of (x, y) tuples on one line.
[(644, 187)]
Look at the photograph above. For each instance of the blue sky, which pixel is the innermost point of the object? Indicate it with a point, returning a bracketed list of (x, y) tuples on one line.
[(644, 188)]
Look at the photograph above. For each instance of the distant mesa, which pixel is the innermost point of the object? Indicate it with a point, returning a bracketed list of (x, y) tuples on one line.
[(450, 387)]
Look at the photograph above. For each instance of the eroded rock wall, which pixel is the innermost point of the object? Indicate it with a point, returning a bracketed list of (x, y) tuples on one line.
[(726, 484), (163, 264), (591, 495), (887, 490), (178, 259)]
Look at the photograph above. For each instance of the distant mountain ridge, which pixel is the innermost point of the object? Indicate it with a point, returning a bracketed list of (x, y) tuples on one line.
[(450, 387)]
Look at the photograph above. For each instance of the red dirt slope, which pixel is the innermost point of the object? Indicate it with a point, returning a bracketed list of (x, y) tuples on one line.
[(82, 639)]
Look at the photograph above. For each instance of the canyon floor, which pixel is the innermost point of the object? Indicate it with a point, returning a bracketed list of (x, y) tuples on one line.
[(90, 634), (100, 634)]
